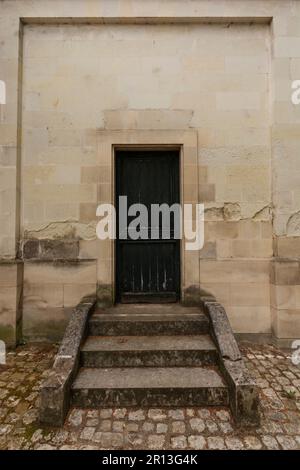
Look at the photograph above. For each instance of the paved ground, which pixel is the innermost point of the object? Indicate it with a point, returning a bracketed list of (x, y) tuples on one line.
[(192, 428)]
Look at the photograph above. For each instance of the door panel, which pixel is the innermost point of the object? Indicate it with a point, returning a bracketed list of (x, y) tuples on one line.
[(148, 270)]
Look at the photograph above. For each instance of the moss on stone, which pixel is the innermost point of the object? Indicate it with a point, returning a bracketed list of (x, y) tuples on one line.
[(104, 295), (192, 296), (8, 335)]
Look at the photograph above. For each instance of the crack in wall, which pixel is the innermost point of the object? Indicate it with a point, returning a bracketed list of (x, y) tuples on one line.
[(63, 230), (231, 211), (87, 231)]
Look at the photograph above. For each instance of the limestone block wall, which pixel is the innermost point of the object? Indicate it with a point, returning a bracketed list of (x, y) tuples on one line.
[(11, 284), (213, 78), (285, 272), (222, 69), (77, 79), (285, 298), (51, 289)]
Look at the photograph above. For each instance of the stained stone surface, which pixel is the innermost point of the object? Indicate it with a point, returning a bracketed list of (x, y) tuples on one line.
[(141, 343), (149, 351), (149, 386), (149, 428), (243, 392), (55, 396), (148, 377), (222, 331), (169, 319)]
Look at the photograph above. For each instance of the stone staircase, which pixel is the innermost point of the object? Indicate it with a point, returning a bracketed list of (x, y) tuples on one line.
[(149, 355)]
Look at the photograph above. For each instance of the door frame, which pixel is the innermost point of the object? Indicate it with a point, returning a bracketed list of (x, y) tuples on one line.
[(137, 148), (184, 141)]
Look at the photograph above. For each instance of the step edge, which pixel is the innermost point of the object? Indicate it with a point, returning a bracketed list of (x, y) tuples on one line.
[(75, 386), (211, 349), (87, 348)]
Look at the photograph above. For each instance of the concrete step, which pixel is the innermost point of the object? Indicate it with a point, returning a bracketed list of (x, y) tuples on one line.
[(149, 386), (135, 324), (148, 351)]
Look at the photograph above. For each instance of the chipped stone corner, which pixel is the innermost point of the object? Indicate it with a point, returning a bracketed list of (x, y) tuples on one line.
[(243, 391), (63, 230), (234, 212), (264, 214), (293, 225)]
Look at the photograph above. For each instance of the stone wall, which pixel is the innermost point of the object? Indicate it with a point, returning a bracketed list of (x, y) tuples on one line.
[(51, 290), (222, 69), (11, 284)]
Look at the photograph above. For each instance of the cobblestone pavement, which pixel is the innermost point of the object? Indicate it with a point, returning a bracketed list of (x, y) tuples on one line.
[(184, 428)]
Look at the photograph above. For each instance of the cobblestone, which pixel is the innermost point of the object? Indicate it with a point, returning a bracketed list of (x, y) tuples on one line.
[(161, 428), (252, 442), (179, 442), (197, 424), (178, 427), (196, 442), (154, 428), (216, 443)]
